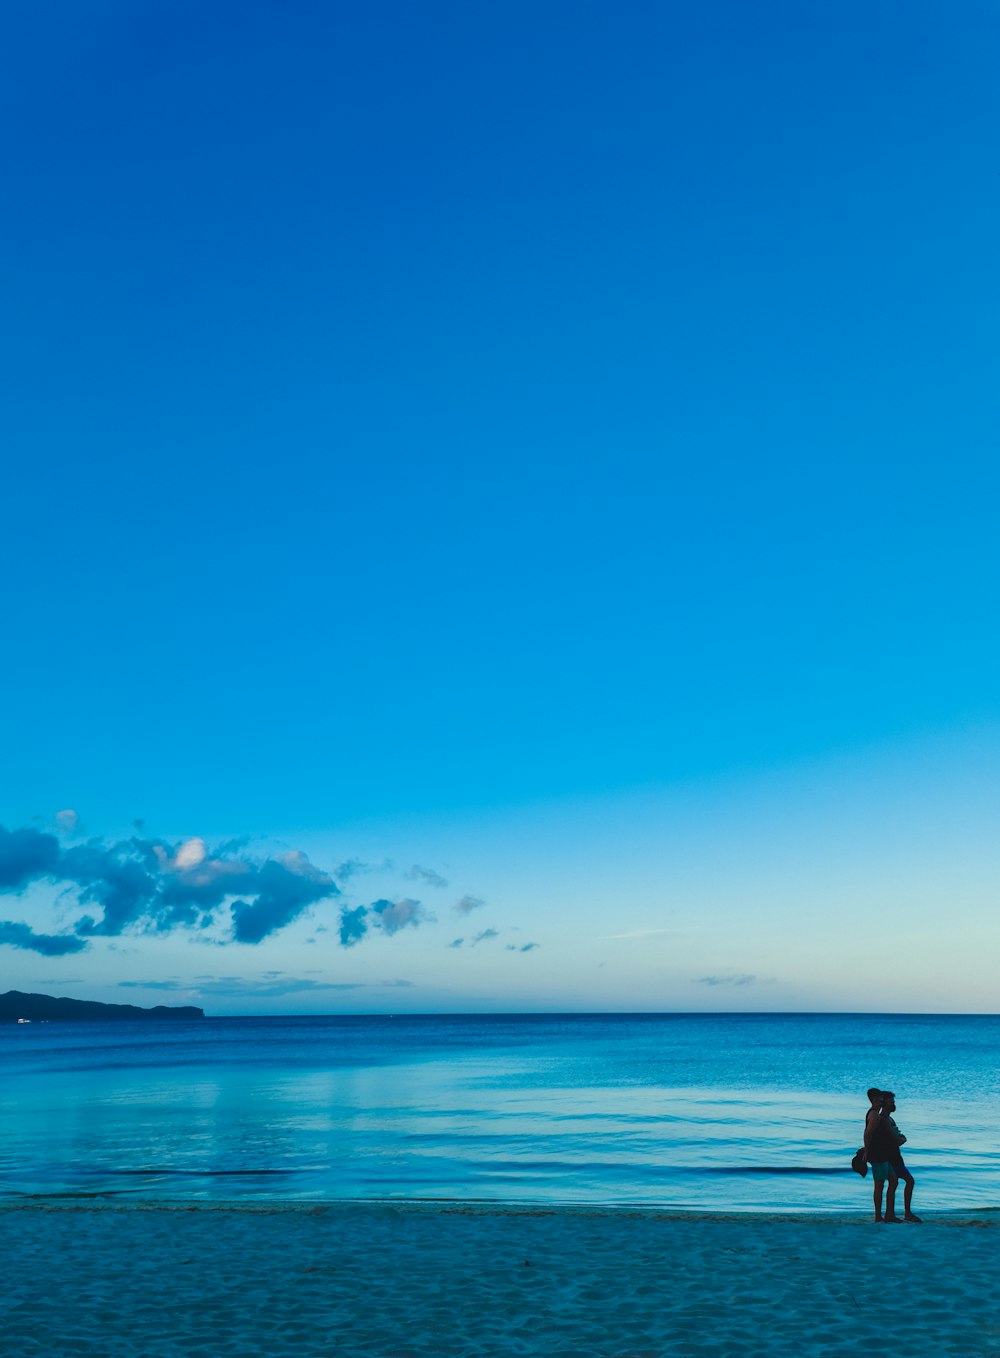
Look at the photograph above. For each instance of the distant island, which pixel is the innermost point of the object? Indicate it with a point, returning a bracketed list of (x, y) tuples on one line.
[(16, 1005)]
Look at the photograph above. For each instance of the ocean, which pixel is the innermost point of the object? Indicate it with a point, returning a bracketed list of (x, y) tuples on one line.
[(726, 1112)]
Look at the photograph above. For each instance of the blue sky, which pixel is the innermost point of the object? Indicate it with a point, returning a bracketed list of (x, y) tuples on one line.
[(554, 446)]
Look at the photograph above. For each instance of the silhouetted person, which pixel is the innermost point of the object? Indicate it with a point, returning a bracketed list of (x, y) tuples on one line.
[(880, 1148), (896, 1160)]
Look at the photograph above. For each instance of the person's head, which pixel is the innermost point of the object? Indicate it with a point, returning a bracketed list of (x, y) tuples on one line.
[(888, 1100), (874, 1097)]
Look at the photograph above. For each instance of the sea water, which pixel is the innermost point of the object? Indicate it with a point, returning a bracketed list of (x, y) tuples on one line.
[(734, 1112)]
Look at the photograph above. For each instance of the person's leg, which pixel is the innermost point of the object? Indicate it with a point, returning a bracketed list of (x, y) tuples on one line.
[(890, 1197), (907, 1178), (877, 1187), (880, 1174)]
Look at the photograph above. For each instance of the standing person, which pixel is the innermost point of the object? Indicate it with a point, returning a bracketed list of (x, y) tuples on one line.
[(896, 1159), (880, 1147)]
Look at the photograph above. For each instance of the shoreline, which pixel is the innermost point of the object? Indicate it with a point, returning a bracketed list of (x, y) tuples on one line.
[(465, 1206), (420, 1279)]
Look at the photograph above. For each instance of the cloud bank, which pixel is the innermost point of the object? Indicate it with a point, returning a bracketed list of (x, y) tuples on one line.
[(387, 916), (25, 855), (148, 885), (426, 875), (221, 894), (17, 935), (270, 986)]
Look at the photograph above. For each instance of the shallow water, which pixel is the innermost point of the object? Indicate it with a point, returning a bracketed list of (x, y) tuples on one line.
[(721, 1112)]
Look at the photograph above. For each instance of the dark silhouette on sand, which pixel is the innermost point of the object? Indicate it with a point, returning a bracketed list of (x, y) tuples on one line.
[(896, 1161), (882, 1142)]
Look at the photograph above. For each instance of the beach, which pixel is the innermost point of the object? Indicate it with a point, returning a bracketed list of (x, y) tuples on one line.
[(182, 1280)]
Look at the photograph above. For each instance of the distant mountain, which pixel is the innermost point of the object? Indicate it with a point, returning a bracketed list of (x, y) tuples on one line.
[(15, 1004)]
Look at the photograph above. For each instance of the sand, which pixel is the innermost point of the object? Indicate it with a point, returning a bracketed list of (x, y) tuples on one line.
[(345, 1279)]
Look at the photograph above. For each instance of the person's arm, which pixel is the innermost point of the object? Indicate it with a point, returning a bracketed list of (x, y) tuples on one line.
[(872, 1119), (900, 1138)]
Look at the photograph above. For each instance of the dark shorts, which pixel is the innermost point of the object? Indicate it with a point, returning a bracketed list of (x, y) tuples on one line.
[(898, 1168)]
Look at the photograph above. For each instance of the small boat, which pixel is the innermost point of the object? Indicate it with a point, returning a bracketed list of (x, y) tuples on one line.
[(24, 1020)]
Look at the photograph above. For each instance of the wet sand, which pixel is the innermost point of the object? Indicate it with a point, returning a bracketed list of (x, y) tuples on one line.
[(458, 1281)]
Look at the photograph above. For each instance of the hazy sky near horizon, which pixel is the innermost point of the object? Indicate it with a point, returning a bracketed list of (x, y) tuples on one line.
[(526, 474)]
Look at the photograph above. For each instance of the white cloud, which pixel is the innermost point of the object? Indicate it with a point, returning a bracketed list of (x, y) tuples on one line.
[(191, 853)]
